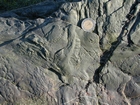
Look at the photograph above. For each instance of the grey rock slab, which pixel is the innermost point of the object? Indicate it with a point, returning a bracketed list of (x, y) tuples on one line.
[(111, 19), (112, 77), (66, 43), (132, 89), (46, 58)]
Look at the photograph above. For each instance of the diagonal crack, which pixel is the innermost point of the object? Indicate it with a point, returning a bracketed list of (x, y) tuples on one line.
[(108, 54), (108, 16)]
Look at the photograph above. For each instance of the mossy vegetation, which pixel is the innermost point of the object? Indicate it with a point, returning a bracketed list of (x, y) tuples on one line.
[(6, 5)]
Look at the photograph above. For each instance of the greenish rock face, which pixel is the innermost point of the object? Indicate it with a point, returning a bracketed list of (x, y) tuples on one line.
[(46, 58)]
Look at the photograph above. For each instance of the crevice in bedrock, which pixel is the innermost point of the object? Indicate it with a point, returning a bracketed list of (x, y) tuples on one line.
[(135, 18), (102, 11), (99, 14), (87, 86), (80, 13), (105, 27), (57, 73), (99, 8), (107, 18), (108, 54), (88, 6)]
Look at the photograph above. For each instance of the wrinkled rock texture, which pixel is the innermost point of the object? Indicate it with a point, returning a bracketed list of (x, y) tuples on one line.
[(47, 59)]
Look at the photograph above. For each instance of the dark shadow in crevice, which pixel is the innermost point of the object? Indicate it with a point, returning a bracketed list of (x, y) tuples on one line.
[(57, 73), (6, 42), (133, 29), (108, 54)]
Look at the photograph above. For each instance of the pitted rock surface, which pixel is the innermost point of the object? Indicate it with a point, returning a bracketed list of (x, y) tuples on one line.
[(46, 58)]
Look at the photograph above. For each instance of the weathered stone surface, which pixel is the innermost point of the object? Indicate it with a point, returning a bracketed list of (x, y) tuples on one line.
[(46, 58)]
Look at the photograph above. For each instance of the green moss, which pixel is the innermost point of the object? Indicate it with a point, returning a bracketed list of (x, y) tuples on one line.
[(14, 4), (109, 39)]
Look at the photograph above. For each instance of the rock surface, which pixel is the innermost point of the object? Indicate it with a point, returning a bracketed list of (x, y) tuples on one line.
[(47, 59)]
